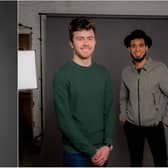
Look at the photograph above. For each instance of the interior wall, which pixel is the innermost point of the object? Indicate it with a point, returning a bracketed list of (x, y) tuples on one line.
[(110, 50), (28, 14), (8, 84)]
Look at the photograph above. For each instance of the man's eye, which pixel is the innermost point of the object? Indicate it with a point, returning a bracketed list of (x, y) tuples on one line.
[(79, 39), (141, 45), (90, 38)]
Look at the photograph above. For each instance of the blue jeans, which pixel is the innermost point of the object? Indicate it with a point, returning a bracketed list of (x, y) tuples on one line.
[(77, 160)]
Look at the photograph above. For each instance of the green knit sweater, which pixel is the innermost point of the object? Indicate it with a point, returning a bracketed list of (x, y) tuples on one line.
[(83, 98)]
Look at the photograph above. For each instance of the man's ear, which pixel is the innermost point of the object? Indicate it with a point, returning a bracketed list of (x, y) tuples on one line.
[(129, 50), (147, 48), (71, 44)]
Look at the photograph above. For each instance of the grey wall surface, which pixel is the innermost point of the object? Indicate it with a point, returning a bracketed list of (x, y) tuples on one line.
[(8, 81), (110, 52)]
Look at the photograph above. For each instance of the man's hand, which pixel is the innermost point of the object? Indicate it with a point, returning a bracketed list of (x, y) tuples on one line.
[(101, 156), (165, 125), (123, 122)]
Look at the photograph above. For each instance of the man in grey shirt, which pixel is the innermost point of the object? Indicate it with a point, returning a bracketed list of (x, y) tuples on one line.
[(143, 94)]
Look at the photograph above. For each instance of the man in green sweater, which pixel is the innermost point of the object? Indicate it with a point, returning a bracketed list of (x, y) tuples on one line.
[(83, 96)]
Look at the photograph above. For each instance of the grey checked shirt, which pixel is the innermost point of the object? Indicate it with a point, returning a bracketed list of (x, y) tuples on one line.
[(143, 96)]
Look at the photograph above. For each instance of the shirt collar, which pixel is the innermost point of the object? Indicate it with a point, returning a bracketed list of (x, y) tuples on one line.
[(146, 67)]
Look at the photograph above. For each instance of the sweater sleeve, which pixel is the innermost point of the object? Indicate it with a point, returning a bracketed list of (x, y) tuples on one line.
[(123, 101), (65, 120), (109, 111)]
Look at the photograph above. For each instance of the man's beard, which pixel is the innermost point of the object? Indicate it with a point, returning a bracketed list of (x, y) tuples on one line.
[(81, 56), (138, 59)]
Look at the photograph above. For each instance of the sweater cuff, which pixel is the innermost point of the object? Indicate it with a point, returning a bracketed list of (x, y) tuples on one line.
[(108, 141), (91, 151)]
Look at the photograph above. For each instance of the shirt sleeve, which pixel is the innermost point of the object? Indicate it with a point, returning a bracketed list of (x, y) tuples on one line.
[(164, 88), (109, 110), (64, 118), (123, 101)]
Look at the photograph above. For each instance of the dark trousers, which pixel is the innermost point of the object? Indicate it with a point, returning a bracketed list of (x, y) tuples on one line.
[(155, 135)]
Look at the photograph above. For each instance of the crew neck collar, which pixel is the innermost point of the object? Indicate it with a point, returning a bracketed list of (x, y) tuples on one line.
[(80, 66)]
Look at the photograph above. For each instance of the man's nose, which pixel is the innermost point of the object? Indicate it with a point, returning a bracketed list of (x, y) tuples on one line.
[(86, 41), (137, 48)]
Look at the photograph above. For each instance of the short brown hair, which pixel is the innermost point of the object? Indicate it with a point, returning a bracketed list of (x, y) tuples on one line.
[(80, 23)]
